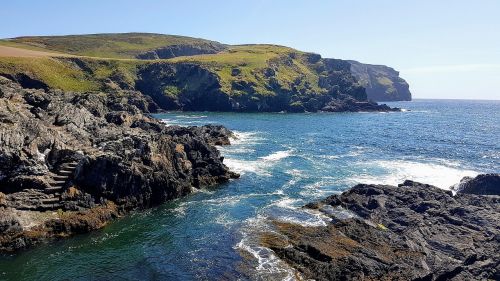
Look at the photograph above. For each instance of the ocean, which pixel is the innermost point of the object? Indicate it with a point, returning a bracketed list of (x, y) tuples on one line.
[(285, 161)]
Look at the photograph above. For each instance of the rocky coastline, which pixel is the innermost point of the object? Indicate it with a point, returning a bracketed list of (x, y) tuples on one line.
[(71, 162), (412, 231)]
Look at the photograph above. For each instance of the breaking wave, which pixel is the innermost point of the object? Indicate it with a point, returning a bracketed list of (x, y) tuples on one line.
[(394, 172)]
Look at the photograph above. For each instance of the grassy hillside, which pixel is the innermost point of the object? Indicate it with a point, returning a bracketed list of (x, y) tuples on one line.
[(72, 74), (216, 77), (123, 45), (253, 65), (257, 66)]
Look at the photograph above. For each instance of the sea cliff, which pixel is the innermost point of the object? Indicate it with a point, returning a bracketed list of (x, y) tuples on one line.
[(70, 162), (182, 73)]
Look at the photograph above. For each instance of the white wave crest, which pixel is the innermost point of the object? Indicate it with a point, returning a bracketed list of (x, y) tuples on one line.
[(246, 166), (394, 172), (277, 155), (260, 167), (245, 138), (191, 116)]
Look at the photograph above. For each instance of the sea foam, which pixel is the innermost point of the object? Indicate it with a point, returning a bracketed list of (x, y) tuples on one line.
[(394, 172)]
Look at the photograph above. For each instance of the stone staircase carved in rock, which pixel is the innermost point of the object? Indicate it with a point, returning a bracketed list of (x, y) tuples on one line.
[(58, 183)]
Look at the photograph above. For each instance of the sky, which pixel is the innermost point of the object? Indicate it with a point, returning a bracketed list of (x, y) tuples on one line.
[(444, 49)]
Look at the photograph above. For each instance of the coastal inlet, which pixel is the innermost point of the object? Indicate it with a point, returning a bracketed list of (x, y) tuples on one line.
[(285, 162)]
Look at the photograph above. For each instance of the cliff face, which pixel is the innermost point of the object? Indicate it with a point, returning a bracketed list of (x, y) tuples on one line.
[(294, 82), (182, 50), (90, 157), (382, 83), (185, 73)]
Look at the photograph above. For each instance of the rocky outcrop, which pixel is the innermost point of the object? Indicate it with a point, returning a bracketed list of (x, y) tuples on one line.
[(382, 83), (410, 232), (487, 184), (183, 86), (348, 104), (173, 51), (89, 154), (194, 87)]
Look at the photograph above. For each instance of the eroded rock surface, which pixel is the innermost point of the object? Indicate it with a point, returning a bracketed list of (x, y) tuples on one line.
[(410, 232), (88, 157), (382, 83)]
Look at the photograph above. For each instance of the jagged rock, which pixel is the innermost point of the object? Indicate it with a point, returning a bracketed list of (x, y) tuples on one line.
[(410, 232), (382, 83), (352, 105), (487, 184), (77, 152), (173, 51), (194, 87)]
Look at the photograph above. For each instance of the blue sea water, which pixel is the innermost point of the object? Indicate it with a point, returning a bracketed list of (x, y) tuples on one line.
[(285, 161)]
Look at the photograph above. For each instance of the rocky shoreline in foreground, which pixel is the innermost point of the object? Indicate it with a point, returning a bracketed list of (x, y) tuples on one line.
[(413, 231), (71, 162)]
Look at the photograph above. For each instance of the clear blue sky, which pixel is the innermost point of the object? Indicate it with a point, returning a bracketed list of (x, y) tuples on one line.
[(444, 49)]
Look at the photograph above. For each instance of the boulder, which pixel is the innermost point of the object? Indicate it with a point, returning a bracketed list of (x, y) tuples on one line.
[(486, 184)]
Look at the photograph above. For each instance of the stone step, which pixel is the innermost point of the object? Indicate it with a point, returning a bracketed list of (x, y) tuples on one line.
[(41, 208), (57, 183), (27, 208), (53, 189), (50, 200), (65, 172), (60, 177), (49, 207)]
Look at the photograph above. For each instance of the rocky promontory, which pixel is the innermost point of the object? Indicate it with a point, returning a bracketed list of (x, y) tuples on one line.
[(412, 231), (70, 162), (382, 83), (192, 74)]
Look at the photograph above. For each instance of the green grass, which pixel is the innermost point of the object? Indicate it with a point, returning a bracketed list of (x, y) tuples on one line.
[(252, 61), (10, 43), (65, 74), (53, 72), (123, 45), (384, 81), (108, 57)]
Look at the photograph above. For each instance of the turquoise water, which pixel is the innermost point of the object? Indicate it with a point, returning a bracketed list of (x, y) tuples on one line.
[(286, 160)]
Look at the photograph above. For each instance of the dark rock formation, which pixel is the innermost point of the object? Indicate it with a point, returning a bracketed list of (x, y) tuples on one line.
[(348, 104), (487, 184), (382, 83), (410, 232), (173, 51), (183, 86), (75, 152), (193, 87)]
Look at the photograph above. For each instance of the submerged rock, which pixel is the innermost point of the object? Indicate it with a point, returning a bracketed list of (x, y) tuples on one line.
[(74, 155), (410, 232)]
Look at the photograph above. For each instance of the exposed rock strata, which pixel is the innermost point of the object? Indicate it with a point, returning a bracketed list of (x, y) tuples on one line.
[(88, 157), (193, 87), (173, 51), (382, 83), (410, 232)]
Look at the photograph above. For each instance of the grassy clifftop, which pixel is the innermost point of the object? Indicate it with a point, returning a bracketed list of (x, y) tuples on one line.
[(121, 45), (67, 73), (257, 66), (184, 73)]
